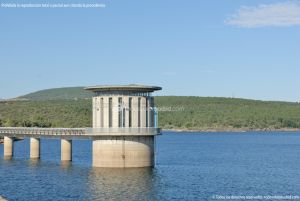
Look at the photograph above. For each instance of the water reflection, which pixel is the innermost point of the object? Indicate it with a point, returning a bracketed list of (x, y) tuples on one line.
[(34, 162), (121, 184), (66, 165), (8, 158)]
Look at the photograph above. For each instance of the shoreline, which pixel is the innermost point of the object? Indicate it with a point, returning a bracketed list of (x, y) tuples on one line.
[(229, 130)]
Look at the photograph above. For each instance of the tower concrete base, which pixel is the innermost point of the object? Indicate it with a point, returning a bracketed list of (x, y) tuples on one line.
[(123, 151)]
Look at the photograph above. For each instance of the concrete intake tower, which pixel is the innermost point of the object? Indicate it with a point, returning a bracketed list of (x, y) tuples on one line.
[(124, 126)]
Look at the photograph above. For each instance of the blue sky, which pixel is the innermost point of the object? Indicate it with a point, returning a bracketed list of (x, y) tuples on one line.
[(229, 48)]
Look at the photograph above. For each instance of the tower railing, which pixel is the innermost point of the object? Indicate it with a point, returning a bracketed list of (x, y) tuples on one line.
[(124, 130)]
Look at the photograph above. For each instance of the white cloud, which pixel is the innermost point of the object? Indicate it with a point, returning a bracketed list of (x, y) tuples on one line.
[(277, 15)]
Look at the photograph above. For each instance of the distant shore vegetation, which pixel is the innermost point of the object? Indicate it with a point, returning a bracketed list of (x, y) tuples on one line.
[(175, 112)]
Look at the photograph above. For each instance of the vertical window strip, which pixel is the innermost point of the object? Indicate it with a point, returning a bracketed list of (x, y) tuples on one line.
[(130, 112), (110, 112), (147, 106), (120, 111)]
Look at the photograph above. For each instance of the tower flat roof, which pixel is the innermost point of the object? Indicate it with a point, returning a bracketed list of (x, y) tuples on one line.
[(131, 87)]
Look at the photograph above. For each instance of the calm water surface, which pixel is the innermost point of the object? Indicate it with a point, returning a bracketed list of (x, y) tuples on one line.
[(189, 166)]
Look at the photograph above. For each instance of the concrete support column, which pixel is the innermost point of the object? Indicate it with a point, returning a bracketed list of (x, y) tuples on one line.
[(98, 113), (101, 117), (126, 106), (144, 112), (95, 111), (34, 148), (115, 111), (8, 147), (135, 112), (105, 112), (66, 150)]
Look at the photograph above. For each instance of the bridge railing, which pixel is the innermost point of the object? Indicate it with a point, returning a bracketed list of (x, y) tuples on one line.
[(79, 131), (42, 131)]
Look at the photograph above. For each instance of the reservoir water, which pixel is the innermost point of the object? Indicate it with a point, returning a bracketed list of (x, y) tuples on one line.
[(189, 166)]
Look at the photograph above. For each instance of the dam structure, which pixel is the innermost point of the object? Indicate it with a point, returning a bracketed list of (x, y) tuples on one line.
[(123, 132)]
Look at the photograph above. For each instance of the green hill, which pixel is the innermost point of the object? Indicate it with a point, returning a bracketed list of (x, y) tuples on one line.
[(211, 113), (66, 93), (72, 107)]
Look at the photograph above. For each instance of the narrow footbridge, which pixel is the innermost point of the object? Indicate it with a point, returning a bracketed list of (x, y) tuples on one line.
[(122, 138), (76, 132)]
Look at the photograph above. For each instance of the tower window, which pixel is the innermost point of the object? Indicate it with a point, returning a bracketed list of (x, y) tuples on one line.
[(139, 112), (110, 112), (130, 112), (120, 110), (147, 106)]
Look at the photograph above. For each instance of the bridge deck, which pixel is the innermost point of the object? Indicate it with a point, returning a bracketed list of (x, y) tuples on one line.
[(76, 132)]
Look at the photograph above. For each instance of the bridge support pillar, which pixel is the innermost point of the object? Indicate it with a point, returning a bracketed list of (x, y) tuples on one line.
[(66, 150), (8, 147), (34, 148), (123, 151)]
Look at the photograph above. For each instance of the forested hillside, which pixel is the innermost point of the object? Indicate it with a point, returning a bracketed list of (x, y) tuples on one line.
[(175, 112)]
